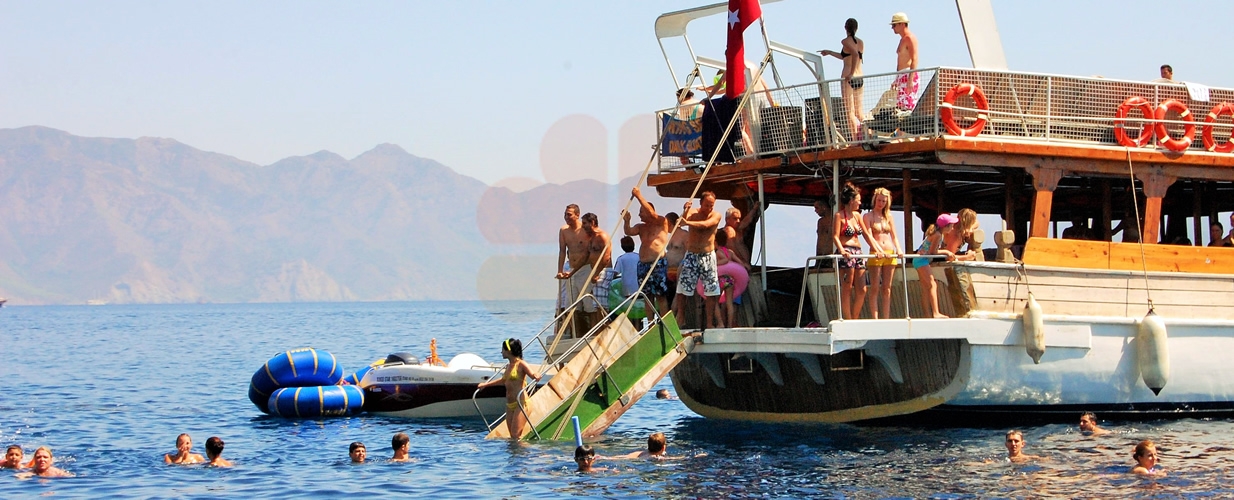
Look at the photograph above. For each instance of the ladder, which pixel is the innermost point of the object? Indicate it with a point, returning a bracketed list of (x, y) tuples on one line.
[(611, 370)]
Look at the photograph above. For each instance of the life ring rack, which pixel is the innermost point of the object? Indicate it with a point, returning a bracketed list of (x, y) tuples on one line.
[(948, 116)]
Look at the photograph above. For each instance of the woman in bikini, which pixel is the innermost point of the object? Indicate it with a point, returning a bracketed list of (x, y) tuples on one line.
[(851, 49), (882, 269), (514, 376), (848, 225)]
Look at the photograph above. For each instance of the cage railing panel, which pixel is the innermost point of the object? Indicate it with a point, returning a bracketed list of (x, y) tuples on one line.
[(906, 105)]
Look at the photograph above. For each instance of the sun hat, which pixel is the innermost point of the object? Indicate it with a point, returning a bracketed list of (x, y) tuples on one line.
[(945, 220), (899, 17)]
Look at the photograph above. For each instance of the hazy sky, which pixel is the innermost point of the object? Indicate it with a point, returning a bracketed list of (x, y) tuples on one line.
[(480, 85)]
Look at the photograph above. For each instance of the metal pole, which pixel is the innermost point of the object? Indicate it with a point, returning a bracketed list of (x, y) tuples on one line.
[(762, 230)]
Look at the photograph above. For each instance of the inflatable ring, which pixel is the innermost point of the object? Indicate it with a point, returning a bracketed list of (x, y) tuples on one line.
[(1146, 134), (305, 367), (948, 116), (1210, 143), (1170, 143), (358, 375), (319, 401), (733, 271)]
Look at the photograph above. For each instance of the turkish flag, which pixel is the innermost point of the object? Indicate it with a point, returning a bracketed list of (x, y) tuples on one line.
[(741, 14)]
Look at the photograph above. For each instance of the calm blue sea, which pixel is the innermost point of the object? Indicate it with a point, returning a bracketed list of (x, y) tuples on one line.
[(108, 388)]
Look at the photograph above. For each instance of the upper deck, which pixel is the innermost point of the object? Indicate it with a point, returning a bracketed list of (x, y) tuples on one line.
[(1044, 134)]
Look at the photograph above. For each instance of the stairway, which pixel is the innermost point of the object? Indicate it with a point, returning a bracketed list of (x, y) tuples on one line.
[(610, 372)]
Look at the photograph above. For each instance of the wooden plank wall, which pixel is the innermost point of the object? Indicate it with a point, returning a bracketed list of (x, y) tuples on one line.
[(1127, 256)]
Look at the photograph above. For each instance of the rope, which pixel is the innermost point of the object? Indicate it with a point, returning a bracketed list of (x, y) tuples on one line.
[(1143, 260)]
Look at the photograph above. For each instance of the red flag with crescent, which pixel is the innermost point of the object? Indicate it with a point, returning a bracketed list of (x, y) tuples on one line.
[(741, 14)]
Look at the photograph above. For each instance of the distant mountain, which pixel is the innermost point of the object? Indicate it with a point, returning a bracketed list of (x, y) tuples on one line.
[(154, 221)]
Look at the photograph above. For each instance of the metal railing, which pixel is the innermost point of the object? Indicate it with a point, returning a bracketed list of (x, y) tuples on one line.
[(835, 263), (1022, 106)]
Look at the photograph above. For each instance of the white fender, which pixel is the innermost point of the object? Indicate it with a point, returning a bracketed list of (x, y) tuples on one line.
[(1034, 329), (1152, 352)]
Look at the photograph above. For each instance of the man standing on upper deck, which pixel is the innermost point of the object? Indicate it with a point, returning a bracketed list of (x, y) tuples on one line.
[(906, 59), (652, 234), (699, 262), (573, 241)]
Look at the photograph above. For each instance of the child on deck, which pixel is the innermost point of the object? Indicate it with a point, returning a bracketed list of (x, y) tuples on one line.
[(627, 265), (931, 244)]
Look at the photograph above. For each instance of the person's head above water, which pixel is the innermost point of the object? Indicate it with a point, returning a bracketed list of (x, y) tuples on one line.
[(514, 347), (12, 456), (214, 447), (357, 452), (1015, 443), (662, 394), (584, 456), (657, 443)]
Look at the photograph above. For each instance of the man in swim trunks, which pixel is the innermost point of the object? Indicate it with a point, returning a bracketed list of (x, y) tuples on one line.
[(12, 458), (357, 452), (572, 243), (652, 232), (599, 256), (699, 262), (906, 59)]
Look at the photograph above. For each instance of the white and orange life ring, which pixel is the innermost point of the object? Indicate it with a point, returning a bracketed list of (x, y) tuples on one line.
[(1146, 134), (948, 117), (1210, 143), (1163, 137)]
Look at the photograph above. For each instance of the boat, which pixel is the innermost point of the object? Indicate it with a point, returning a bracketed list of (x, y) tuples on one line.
[(404, 386), (1040, 328)]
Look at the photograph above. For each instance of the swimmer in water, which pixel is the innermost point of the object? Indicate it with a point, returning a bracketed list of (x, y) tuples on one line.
[(184, 454), (663, 394), (214, 453), (402, 445), (1146, 459), (584, 456), (657, 448), (1088, 425), (42, 467), (357, 452), (12, 458), (1015, 447)]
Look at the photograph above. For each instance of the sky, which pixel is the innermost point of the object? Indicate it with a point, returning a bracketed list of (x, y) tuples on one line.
[(500, 91)]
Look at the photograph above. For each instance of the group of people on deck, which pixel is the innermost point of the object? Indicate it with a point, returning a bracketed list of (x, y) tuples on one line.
[(841, 235), (906, 84), (677, 256)]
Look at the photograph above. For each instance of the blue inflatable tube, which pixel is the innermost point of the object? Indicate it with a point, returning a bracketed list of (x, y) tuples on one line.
[(320, 401), (355, 378), (305, 367)]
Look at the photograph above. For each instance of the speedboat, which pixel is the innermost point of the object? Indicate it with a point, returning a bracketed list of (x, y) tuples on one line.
[(403, 386)]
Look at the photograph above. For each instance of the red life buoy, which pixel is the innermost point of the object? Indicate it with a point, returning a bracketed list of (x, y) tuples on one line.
[(1170, 143), (1146, 134), (1210, 143), (948, 116)]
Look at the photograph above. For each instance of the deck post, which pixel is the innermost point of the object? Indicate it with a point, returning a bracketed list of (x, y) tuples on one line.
[(1107, 211), (1044, 181), (1197, 211), (907, 199), (1155, 185)]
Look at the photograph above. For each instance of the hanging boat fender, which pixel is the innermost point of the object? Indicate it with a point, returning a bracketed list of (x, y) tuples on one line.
[(1153, 352), (1034, 329)]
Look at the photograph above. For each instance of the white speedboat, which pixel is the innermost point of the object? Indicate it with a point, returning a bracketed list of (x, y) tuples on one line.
[(403, 386)]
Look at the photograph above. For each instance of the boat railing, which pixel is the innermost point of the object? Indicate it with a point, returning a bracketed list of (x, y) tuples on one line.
[(1022, 106), (835, 264)]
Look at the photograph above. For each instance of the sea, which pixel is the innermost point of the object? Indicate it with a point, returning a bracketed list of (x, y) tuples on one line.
[(108, 389)]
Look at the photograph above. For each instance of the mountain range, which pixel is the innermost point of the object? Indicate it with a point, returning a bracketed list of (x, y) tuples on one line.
[(152, 220)]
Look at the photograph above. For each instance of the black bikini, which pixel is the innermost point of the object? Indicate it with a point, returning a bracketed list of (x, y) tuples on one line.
[(857, 82)]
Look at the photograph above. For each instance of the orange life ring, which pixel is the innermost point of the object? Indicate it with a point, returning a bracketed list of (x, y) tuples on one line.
[(948, 117), (1210, 143), (1170, 143), (1146, 134)]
